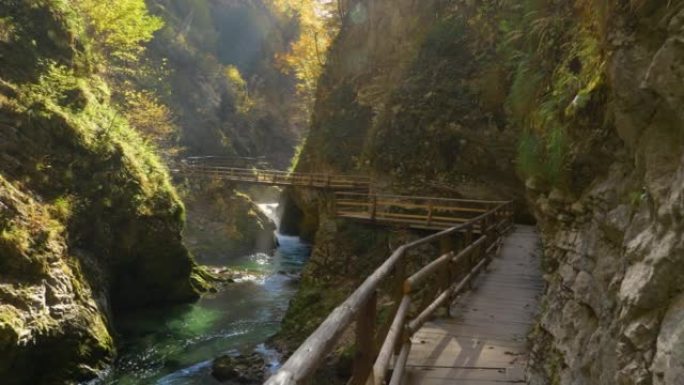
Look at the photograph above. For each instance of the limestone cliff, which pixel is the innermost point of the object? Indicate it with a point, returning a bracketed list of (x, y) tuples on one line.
[(89, 223), (410, 95), (613, 238)]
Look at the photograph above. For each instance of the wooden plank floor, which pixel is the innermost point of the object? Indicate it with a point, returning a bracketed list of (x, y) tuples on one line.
[(484, 340)]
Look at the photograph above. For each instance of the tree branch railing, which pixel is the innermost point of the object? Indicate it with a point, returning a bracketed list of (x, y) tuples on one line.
[(276, 177), (455, 269)]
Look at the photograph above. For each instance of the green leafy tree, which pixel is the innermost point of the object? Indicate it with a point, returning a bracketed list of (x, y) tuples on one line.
[(318, 25), (120, 27)]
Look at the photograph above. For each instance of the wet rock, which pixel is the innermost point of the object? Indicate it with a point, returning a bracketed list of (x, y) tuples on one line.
[(243, 369)]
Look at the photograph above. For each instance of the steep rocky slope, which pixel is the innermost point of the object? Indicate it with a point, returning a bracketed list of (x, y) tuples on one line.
[(582, 100), (410, 95), (89, 223), (613, 240)]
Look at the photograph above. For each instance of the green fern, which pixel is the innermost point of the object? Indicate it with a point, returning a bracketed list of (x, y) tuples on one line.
[(529, 155), (556, 155)]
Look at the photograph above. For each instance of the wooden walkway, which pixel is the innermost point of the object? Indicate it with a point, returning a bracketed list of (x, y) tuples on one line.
[(484, 340), (483, 344), (335, 182)]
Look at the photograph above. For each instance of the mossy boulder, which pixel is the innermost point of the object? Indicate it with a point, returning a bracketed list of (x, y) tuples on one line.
[(250, 369), (224, 223)]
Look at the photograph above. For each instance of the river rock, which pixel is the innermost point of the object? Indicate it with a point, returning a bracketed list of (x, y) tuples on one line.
[(242, 369)]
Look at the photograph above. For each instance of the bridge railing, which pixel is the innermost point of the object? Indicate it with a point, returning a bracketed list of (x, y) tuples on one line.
[(455, 268), (426, 212), (275, 177)]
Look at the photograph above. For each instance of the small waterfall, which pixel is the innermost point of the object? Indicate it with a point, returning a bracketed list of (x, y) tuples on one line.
[(271, 211)]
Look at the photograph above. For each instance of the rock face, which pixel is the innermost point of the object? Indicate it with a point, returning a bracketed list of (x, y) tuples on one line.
[(392, 103), (89, 223), (613, 246), (223, 223)]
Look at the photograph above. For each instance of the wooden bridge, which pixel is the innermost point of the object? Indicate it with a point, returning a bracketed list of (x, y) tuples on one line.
[(481, 339), (193, 167), (352, 197)]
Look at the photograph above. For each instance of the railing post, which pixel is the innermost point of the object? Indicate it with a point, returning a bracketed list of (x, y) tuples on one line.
[(365, 342), (327, 181), (446, 245), (429, 217), (374, 206), (485, 232), (492, 239)]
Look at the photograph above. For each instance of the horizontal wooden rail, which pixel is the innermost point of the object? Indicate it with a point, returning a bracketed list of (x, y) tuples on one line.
[(338, 182), (468, 257), (416, 212), (477, 202)]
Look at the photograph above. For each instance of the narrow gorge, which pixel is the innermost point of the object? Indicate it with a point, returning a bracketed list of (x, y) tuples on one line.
[(187, 180)]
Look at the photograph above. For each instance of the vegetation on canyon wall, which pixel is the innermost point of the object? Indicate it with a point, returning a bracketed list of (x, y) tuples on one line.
[(90, 223)]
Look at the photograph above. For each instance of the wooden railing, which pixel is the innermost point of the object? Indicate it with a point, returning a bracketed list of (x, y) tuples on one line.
[(277, 178), (481, 237), (411, 211)]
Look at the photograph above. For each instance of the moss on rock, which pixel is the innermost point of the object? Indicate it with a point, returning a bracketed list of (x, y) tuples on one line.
[(89, 222)]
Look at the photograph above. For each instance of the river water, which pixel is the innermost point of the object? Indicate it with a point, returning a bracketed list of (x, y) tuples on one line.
[(175, 346)]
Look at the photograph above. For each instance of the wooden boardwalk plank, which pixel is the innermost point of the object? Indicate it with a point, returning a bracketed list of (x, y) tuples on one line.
[(484, 340)]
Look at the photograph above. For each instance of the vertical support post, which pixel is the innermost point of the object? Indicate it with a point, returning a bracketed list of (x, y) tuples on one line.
[(400, 272), (429, 217), (373, 207), (446, 245), (365, 342), (488, 234), (327, 180), (473, 254)]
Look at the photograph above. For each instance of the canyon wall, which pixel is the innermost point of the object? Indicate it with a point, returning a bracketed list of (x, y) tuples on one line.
[(89, 222)]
